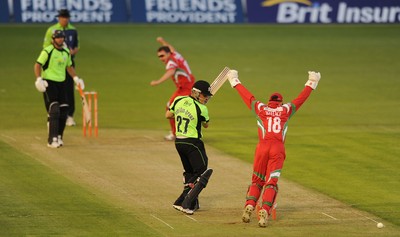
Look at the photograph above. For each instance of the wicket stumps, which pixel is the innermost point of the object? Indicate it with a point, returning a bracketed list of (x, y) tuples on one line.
[(87, 128)]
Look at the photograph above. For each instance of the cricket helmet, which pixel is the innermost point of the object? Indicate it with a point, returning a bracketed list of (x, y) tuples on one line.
[(63, 13), (276, 97), (203, 87), (58, 34)]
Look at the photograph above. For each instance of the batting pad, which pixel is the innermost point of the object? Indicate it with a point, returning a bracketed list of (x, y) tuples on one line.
[(198, 187)]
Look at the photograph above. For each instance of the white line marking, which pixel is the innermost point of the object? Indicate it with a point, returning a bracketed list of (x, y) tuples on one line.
[(165, 223), (191, 218), (329, 216), (149, 138), (367, 218), (8, 137)]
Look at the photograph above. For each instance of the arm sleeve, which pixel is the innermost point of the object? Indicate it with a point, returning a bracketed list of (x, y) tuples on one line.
[(47, 38), (42, 59), (77, 40), (69, 60), (246, 95), (301, 98), (171, 65), (173, 104), (205, 115)]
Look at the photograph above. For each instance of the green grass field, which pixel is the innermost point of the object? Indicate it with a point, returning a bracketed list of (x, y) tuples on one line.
[(344, 142)]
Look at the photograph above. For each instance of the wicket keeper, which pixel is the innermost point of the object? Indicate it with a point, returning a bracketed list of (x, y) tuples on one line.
[(272, 120)]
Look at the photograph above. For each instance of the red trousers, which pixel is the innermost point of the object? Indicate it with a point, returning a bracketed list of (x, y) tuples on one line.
[(267, 166)]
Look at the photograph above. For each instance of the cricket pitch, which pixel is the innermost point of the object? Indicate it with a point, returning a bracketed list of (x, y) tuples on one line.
[(140, 172)]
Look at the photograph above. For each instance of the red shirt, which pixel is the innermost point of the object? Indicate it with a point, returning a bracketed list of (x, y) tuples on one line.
[(182, 77), (272, 118)]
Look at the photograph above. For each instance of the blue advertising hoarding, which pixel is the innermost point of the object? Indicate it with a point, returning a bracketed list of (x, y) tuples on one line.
[(323, 11), (4, 14), (85, 11), (184, 11)]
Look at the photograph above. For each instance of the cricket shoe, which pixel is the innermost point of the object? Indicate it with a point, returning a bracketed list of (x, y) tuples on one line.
[(187, 211), (60, 141), (247, 213), (263, 215), (177, 207), (54, 143), (70, 121), (170, 137)]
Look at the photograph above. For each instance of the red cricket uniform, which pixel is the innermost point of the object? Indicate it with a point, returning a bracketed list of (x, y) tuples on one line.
[(183, 79), (272, 120)]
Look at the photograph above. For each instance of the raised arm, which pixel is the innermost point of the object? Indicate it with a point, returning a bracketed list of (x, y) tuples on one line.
[(163, 42), (311, 84), (246, 95)]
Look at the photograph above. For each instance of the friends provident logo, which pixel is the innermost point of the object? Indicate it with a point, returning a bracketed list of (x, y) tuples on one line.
[(269, 3)]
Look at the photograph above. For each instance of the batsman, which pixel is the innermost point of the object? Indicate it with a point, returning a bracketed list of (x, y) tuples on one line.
[(272, 120), (50, 68), (191, 114)]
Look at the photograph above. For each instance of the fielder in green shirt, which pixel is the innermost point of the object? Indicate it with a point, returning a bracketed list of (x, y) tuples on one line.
[(191, 114)]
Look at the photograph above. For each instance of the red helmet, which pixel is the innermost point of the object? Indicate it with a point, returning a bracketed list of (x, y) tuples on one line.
[(276, 97)]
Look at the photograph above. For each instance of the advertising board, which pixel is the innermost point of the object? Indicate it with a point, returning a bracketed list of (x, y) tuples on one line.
[(323, 11), (185, 11), (4, 12), (86, 11)]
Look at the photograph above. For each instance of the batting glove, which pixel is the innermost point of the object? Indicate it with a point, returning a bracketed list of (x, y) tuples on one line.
[(313, 79), (41, 84), (233, 78), (79, 82)]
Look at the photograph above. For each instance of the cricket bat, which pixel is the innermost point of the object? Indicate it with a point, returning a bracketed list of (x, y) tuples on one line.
[(219, 81), (87, 115)]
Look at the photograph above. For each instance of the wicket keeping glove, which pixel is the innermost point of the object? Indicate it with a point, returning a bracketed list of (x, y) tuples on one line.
[(79, 81), (233, 78), (313, 79), (41, 84)]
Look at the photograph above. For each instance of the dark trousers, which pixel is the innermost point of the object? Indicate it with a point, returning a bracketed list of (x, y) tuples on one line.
[(193, 157), (55, 100)]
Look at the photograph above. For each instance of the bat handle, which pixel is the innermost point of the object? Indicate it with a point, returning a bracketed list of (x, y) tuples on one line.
[(80, 90)]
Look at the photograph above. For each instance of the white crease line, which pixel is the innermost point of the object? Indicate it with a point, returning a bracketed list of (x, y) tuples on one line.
[(367, 217), (191, 218), (165, 223), (149, 138), (329, 216), (8, 137)]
